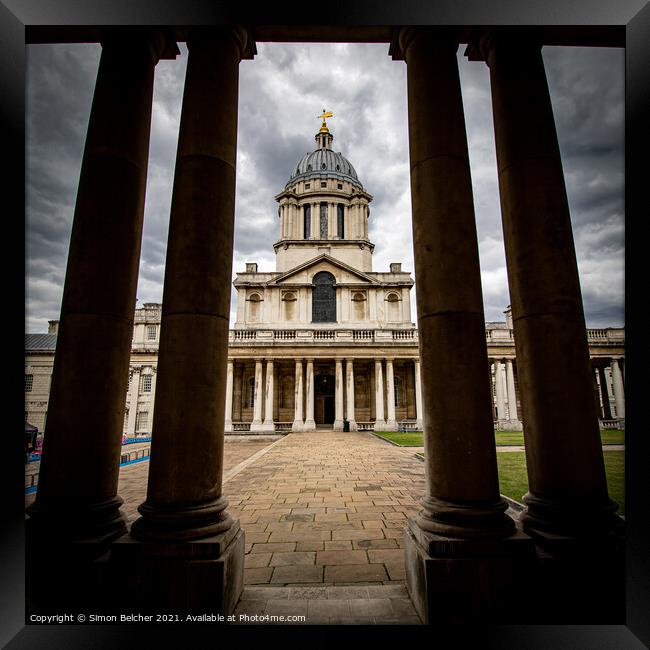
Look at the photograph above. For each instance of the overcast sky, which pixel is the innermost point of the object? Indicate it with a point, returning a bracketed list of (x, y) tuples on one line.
[(281, 92)]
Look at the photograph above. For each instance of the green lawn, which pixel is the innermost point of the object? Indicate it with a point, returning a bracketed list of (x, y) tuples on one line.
[(414, 439), (513, 481)]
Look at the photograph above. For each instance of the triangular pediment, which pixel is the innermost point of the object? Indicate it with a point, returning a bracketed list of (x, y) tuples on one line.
[(303, 273)]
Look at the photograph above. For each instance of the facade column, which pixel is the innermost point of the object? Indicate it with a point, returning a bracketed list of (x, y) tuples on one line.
[(604, 394), (619, 392), (298, 423), (133, 402), (268, 395), (462, 499), (338, 397), (549, 326), (185, 501), (511, 391), (391, 424), (380, 422), (229, 393), (310, 425), (98, 301), (349, 373), (498, 385), (258, 397), (418, 395)]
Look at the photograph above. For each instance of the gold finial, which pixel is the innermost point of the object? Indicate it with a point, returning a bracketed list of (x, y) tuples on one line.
[(323, 127)]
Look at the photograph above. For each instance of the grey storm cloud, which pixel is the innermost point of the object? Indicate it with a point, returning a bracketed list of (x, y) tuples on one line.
[(281, 93)]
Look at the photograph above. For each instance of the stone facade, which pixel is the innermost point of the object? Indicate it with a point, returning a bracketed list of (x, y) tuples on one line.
[(293, 367)]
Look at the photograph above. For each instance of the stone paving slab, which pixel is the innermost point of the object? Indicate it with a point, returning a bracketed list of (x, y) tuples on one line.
[(327, 605)]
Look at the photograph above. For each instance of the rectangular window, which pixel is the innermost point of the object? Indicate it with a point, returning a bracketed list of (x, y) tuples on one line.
[(323, 184), (151, 332), (307, 221), (29, 383), (307, 186), (339, 186), (146, 383), (340, 221), (142, 420), (323, 220)]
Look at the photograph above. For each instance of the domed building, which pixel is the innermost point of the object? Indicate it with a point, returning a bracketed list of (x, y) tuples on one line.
[(323, 341)]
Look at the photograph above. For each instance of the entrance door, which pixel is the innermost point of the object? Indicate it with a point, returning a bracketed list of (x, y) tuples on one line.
[(324, 399)]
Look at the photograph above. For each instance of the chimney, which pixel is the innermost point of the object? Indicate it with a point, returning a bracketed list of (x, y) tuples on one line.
[(52, 326), (251, 267), (395, 267)]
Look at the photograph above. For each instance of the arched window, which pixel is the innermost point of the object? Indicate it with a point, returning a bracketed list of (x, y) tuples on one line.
[(323, 298), (307, 221), (340, 229), (393, 307), (289, 303), (254, 307)]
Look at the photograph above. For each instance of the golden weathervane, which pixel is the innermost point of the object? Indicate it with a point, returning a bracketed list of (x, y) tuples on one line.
[(323, 116)]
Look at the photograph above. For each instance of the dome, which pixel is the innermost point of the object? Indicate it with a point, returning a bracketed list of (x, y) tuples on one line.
[(324, 163)]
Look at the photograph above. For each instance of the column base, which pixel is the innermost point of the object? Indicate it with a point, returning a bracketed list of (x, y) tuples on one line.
[(201, 576), (391, 425), (509, 425), (310, 425), (453, 580), (380, 425), (338, 425), (419, 425), (227, 427), (297, 425), (353, 425), (259, 426)]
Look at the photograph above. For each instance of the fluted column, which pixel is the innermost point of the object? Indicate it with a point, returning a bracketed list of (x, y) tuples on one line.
[(391, 424), (462, 489), (184, 491), (380, 422), (96, 322), (229, 389), (512, 393), (310, 425), (549, 327), (133, 402), (604, 393), (349, 373), (298, 422), (258, 397), (268, 398), (418, 395), (498, 384), (619, 392), (338, 397)]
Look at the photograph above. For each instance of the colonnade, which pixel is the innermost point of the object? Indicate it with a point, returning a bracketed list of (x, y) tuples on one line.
[(303, 420), (601, 382), (185, 550), (503, 376)]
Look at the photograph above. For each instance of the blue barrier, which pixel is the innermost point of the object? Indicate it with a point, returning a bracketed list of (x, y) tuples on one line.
[(130, 441)]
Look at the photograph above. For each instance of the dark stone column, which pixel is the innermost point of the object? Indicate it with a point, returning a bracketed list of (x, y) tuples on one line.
[(566, 473), (568, 511), (184, 493), (77, 493), (463, 514)]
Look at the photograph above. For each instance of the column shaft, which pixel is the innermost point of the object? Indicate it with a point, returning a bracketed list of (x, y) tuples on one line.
[(498, 384), (418, 395), (338, 397), (380, 422), (268, 398), (512, 393), (98, 299), (604, 394), (298, 422), (619, 393), (391, 424), (462, 489), (258, 397), (229, 394), (184, 491), (349, 372), (133, 402), (310, 425), (548, 320)]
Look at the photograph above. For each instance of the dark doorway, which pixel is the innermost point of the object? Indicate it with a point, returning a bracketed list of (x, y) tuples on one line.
[(323, 305), (324, 399)]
